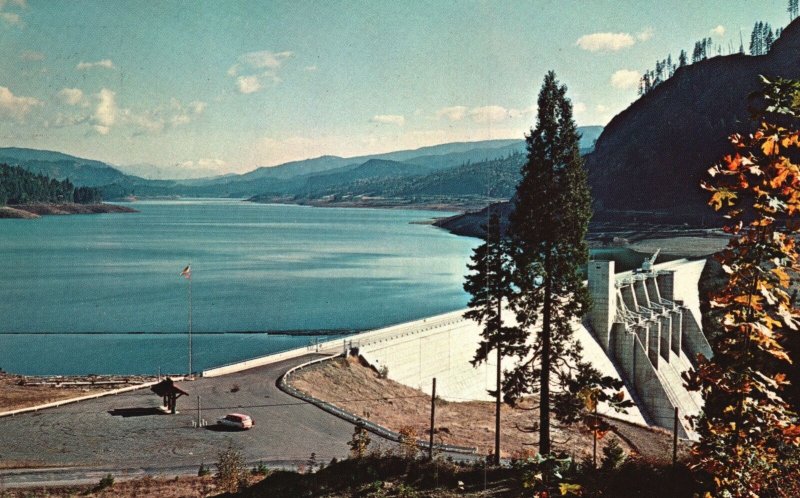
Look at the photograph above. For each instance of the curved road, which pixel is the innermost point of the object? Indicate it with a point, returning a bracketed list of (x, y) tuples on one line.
[(122, 435)]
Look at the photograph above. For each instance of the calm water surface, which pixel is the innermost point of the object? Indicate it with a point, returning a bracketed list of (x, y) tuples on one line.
[(102, 293)]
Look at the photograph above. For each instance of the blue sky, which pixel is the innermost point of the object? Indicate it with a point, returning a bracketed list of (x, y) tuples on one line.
[(215, 87)]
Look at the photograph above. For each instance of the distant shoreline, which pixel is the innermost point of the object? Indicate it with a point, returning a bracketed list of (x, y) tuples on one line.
[(32, 211)]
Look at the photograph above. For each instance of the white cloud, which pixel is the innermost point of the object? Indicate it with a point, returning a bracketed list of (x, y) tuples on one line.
[(14, 106), (645, 34), (579, 108), (11, 18), (453, 113), (719, 30), (310, 68), (18, 3), (253, 68), (64, 120), (597, 42), (105, 63), (265, 59), (105, 114), (197, 106), (390, 119), (625, 79), (480, 115), (71, 96), (496, 113), (248, 84), (31, 55), (601, 108)]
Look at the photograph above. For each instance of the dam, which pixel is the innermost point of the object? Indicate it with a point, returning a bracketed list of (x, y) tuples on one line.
[(644, 329)]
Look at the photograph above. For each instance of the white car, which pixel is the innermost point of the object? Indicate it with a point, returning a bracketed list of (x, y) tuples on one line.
[(237, 421)]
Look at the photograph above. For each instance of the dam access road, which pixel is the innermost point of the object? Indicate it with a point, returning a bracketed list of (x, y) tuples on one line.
[(126, 436)]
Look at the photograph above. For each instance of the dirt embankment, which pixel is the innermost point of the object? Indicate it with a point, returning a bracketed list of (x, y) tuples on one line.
[(358, 389), (28, 211), (22, 391)]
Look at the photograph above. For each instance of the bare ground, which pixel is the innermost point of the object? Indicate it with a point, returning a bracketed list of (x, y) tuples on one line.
[(358, 389), (21, 391), (146, 487)]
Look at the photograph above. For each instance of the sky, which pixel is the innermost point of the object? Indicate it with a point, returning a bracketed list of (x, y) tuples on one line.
[(227, 86)]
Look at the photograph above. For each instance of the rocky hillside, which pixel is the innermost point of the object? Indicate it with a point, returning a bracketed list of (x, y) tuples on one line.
[(652, 156)]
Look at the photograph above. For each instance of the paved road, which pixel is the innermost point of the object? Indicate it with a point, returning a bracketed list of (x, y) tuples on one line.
[(88, 437)]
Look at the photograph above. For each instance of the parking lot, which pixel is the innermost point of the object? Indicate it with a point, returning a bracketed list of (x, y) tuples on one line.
[(126, 431)]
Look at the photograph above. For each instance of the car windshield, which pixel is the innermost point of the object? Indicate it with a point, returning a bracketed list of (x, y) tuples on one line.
[(233, 418)]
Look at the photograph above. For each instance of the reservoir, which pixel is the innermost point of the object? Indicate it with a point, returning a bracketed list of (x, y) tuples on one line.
[(103, 293)]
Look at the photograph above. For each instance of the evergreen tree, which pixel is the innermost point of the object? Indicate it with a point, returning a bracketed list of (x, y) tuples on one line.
[(682, 61), (489, 283), (769, 38), (793, 9), (547, 230)]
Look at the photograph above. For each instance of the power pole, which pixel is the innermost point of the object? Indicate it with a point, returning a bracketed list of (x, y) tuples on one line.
[(675, 439), (433, 418), (497, 408), (198, 411)]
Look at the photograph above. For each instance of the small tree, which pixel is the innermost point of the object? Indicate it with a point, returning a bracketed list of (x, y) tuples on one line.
[(749, 434), (231, 470), (359, 442), (408, 442)]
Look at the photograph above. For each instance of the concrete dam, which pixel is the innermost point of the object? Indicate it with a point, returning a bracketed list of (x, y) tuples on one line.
[(644, 329)]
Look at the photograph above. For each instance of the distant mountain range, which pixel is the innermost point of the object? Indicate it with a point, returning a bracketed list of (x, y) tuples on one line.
[(462, 168)]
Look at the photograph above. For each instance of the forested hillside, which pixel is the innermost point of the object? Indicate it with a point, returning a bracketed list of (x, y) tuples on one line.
[(19, 186)]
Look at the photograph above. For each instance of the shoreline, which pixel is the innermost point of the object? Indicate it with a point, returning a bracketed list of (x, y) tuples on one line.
[(33, 211)]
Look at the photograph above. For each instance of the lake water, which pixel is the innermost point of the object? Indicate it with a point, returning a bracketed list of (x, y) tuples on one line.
[(75, 288), (102, 293)]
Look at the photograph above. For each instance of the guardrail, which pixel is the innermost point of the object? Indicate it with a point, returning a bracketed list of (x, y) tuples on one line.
[(54, 404), (374, 428)]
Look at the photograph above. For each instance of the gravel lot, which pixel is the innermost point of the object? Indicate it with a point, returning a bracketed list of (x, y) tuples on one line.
[(126, 432)]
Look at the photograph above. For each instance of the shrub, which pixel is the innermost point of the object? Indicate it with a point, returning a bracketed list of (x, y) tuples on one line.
[(359, 442), (203, 470), (230, 470), (613, 456), (408, 442), (106, 482)]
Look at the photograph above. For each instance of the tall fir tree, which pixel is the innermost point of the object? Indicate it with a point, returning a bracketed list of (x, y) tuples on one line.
[(547, 230), (793, 9), (489, 284)]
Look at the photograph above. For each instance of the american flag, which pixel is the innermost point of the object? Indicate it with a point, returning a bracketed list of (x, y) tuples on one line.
[(187, 272)]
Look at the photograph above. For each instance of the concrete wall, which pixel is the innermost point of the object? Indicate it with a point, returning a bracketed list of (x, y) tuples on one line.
[(654, 335)]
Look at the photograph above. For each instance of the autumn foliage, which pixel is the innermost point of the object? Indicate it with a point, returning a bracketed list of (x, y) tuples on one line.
[(750, 437)]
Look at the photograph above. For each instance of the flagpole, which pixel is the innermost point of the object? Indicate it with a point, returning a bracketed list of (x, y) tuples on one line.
[(190, 325)]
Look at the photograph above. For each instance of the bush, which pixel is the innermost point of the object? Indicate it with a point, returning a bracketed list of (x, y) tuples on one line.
[(408, 442), (106, 482), (203, 470), (260, 470), (613, 456), (383, 372), (231, 474), (359, 442)]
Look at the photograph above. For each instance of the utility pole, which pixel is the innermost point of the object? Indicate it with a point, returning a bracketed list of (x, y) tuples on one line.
[(497, 407), (675, 439), (594, 438), (198, 411), (433, 418)]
